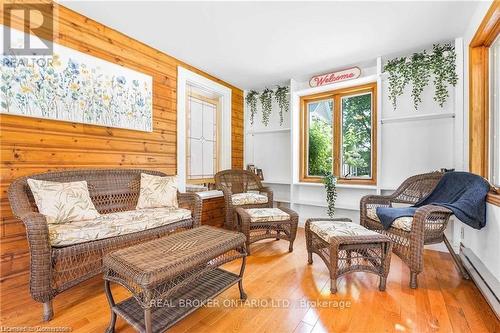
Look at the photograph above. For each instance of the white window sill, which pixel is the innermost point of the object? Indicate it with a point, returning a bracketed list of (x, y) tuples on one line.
[(210, 194), (353, 186)]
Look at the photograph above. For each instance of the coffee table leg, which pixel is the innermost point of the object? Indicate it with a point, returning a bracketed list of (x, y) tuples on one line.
[(111, 301), (243, 295), (147, 320)]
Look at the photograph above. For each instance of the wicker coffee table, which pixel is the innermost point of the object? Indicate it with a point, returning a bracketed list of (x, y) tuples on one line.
[(347, 247), (170, 277)]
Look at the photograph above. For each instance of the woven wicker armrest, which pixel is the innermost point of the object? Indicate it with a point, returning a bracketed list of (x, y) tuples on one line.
[(193, 202), (269, 192), (37, 233), (430, 214), (382, 200)]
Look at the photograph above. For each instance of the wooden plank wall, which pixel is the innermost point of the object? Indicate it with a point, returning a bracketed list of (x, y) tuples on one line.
[(34, 145), (213, 212)]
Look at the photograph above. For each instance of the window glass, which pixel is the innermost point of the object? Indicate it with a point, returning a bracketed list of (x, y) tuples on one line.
[(356, 136), (495, 113), (201, 139), (320, 130)]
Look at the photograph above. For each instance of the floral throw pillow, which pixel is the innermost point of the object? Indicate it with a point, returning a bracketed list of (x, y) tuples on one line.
[(63, 202), (157, 191)]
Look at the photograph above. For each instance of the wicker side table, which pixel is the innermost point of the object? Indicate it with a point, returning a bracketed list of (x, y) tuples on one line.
[(347, 247), (170, 277)]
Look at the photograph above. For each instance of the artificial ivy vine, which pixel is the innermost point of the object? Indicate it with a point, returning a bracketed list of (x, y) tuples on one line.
[(266, 99), (251, 101), (331, 193), (281, 96), (417, 70)]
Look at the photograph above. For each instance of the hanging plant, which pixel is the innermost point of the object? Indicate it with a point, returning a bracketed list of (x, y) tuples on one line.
[(418, 74), (281, 96), (331, 193), (398, 78), (266, 99), (418, 68), (442, 65), (251, 100)]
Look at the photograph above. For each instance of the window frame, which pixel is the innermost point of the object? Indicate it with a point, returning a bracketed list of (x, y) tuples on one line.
[(215, 102), (337, 95), (479, 95)]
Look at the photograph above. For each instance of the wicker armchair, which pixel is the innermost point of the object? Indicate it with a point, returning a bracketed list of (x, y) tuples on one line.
[(427, 227), (235, 181), (55, 269)]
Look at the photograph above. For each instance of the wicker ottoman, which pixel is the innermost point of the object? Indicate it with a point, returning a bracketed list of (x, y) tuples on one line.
[(262, 223), (347, 247)]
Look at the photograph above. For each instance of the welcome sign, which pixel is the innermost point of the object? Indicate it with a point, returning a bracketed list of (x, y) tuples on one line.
[(329, 78)]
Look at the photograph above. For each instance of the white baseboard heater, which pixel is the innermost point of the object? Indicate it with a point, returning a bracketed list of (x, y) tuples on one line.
[(484, 280)]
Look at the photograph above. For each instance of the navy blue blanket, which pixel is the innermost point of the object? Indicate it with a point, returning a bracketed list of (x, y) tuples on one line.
[(462, 192)]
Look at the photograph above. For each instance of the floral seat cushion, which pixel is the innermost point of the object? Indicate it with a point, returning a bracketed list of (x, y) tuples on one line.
[(402, 223), (327, 230), (248, 198), (267, 215), (115, 224)]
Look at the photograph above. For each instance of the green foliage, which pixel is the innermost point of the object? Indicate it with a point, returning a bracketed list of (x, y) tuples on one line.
[(251, 100), (266, 98), (397, 78), (418, 75), (331, 193), (443, 67), (356, 130), (418, 69), (280, 94), (320, 148)]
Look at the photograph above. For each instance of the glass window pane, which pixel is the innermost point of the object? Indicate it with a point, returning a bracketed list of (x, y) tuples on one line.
[(495, 113), (201, 139), (320, 137), (356, 155)]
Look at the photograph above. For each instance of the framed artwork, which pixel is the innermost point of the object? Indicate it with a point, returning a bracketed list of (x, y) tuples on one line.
[(260, 174), (251, 167), (76, 87)]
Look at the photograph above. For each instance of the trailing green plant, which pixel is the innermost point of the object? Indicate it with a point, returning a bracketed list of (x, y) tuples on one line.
[(331, 193), (418, 74), (251, 100), (418, 68), (443, 67), (266, 99), (397, 78), (281, 96)]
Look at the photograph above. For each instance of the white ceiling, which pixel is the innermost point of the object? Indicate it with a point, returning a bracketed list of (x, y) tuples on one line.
[(254, 44)]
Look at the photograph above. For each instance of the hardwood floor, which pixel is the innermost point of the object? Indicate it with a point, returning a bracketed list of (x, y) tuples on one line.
[(443, 303)]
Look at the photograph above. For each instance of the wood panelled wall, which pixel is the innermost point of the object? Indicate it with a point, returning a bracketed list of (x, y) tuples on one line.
[(34, 145)]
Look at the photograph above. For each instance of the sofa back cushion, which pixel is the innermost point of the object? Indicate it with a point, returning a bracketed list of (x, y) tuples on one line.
[(157, 191), (111, 190), (63, 202)]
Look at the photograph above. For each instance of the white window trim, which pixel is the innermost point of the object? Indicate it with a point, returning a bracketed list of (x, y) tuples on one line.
[(185, 77)]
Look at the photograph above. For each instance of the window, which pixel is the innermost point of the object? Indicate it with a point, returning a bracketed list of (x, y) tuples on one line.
[(495, 113), (483, 101), (202, 136), (338, 135)]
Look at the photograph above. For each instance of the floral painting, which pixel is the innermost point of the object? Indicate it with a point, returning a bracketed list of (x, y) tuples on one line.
[(76, 87)]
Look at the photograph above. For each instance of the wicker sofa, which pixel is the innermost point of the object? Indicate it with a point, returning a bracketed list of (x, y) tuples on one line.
[(54, 269)]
